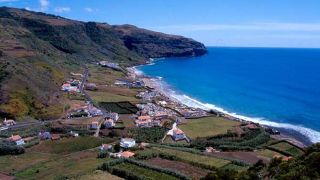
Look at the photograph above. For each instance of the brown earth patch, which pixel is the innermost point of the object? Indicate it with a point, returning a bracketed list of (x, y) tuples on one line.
[(184, 168)]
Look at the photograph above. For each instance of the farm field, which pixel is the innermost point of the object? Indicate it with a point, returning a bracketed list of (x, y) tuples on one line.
[(190, 157), (207, 126), (69, 145), (102, 96), (98, 175), (288, 148), (11, 164), (145, 172), (184, 168), (269, 153), (102, 75), (63, 167)]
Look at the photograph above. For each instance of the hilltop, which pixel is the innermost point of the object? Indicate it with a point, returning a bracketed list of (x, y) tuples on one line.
[(37, 51)]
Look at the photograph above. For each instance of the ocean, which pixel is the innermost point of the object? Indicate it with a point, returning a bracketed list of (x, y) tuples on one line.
[(278, 87)]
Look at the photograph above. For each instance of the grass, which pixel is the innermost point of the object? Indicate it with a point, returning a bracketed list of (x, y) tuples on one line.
[(101, 96), (69, 145), (10, 164), (235, 167), (145, 172), (208, 126), (102, 75), (190, 157), (74, 165), (97, 175), (268, 153), (286, 147)]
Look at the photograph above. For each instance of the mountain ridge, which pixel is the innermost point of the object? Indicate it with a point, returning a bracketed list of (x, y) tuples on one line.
[(38, 50)]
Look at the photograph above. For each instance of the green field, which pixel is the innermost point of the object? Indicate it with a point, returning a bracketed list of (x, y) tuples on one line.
[(190, 157), (268, 153), (119, 107), (235, 167), (97, 175), (69, 145), (288, 148), (101, 96), (145, 172), (74, 165), (11, 164), (208, 126)]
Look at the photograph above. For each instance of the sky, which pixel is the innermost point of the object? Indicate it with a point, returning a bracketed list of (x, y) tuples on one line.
[(241, 23)]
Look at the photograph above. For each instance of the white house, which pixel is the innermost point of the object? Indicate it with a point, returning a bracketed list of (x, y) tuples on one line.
[(113, 115), (127, 142)]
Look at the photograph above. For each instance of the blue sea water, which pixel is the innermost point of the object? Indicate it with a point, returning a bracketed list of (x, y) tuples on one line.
[(279, 87)]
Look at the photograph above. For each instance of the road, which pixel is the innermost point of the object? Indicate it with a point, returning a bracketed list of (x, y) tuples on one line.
[(88, 98), (82, 91)]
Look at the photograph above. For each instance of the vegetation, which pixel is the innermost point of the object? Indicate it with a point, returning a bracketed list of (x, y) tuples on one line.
[(194, 159), (152, 134), (69, 145), (230, 141), (286, 148), (207, 126), (119, 107), (128, 168), (7, 147)]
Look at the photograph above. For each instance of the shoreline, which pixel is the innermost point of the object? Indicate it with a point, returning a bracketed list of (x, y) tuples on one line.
[(289, 134)]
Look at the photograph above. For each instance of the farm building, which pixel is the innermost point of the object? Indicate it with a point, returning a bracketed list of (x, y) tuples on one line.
[(17, 139), (127, 142)]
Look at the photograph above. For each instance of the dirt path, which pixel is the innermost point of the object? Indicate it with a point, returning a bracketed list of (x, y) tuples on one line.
[(184, 168)]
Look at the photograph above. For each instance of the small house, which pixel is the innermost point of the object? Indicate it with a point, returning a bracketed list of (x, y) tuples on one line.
[(94, 125), (109, 123), (178, 134), (17, 139), (44, 135), (9, 122), (74, 134), (106, 147), (126, 154), (55, 137), (127, 142), (91, 86), (113, 115), (252, 126)]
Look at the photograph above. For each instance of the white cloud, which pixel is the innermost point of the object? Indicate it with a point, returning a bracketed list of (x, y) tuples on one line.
[(28, 8), (62, 9), (44, 5), (243, 27), (88, 9)]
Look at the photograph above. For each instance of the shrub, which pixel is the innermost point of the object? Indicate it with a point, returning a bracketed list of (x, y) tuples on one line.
[(7, 147)]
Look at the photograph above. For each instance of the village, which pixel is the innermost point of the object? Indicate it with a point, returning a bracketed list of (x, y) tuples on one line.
[(144, 124)]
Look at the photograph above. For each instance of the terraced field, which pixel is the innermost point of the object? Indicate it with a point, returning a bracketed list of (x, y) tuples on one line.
[(190, 157)]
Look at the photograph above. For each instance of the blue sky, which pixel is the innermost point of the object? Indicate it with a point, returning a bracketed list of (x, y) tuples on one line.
[(257, 23)]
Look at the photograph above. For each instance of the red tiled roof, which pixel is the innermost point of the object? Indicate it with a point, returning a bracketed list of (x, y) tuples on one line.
[(15, 138), (178, 131), (127, 154)]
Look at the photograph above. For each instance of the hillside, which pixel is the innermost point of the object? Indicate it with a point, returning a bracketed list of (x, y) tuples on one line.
[(38, 50)]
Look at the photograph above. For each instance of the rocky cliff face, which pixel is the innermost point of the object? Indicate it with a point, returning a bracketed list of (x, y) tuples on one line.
[(37, 50)]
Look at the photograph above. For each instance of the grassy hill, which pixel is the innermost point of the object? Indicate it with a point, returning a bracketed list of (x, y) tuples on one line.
[(38, 50)]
